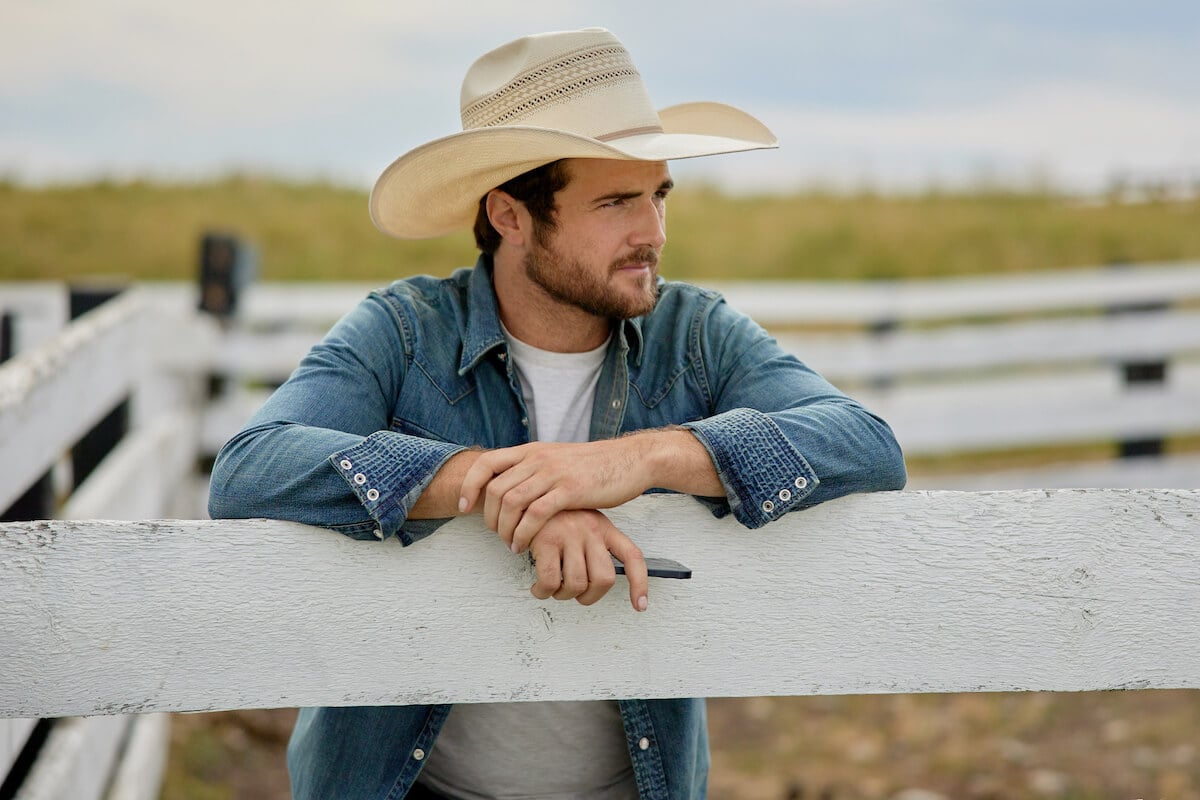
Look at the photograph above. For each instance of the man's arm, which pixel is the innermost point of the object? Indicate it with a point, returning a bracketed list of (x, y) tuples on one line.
[(441, 496), (320, 450), (778, 437)]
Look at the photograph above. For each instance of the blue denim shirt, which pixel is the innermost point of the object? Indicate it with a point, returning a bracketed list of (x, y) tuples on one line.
[(419, 371)]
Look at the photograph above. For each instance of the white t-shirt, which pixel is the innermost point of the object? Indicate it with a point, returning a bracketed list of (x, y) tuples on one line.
[(547, 750)]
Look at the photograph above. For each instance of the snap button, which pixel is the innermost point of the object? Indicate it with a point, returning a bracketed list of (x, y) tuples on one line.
[(372, 495), (616, 403), (502, 355), (418, 754), (801, 482), (785, 495), (768, 506), (525, 421), (644, 743), (346, 463), (360, 479), (379, 534)]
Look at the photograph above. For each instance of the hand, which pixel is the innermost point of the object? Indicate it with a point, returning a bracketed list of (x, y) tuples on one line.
[(572, 555), (524, 487)]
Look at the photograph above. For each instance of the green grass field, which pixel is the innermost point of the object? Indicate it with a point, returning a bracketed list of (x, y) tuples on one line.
[(321, 232)]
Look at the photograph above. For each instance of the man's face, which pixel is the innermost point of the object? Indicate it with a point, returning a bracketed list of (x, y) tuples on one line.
[(602, 255)]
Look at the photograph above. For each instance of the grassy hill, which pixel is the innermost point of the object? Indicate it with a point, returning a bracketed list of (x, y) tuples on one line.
[(318, 231)]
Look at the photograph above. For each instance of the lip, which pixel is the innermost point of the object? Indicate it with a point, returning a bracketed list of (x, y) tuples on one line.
[(640, 266)]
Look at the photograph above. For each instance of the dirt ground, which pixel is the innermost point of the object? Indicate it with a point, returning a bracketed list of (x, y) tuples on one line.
[(1049, 746)]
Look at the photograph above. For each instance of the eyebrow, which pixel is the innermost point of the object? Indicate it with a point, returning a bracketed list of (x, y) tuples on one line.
[(665, 186)]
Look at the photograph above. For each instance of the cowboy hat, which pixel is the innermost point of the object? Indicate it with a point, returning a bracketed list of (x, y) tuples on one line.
[(571, 94)]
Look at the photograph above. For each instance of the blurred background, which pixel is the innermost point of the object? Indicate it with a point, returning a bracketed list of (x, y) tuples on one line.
[(919, 140)]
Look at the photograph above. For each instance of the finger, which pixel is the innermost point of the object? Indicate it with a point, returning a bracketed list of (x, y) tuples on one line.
[(601, 573), (535, 516), (495, 492), (574, 572), (515, 505), (549, 572), (486, 467), (630, 555)]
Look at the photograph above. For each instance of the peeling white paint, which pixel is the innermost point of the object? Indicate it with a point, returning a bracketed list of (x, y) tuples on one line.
[(897, 592)]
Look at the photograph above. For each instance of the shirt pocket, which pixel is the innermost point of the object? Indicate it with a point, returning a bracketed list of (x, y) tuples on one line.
[(669, 395), (434, 409)]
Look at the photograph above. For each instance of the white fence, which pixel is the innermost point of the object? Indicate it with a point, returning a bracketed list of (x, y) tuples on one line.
[(955, 366), (900, 592)]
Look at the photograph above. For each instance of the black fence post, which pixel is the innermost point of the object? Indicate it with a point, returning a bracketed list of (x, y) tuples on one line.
[(1140, 373), (227, 266)]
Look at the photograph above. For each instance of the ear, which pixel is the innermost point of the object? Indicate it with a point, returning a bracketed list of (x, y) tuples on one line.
[(509, 217)]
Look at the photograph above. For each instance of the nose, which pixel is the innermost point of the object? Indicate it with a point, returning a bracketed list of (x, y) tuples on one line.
[(651, 224)]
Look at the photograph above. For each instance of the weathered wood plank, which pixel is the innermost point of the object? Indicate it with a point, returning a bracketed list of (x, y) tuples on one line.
[(1024, 344), (52, 395), (77, 760), (1143, 472), (1012, 411), (799, 303), (140, 772), (897, 592)]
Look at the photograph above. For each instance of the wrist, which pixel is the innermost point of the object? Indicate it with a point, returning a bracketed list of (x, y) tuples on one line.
[(676, 460), (441, 496)]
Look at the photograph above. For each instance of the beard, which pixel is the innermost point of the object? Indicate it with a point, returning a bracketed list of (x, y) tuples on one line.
[(570, 281)]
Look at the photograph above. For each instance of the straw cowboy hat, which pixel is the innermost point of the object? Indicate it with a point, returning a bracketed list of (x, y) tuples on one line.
[(572, 94)]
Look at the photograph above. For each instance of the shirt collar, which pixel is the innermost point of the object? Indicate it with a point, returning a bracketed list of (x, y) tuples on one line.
[(483, 332)]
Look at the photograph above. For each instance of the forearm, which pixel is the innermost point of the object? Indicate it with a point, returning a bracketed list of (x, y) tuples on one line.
[(364, 487), (676, 460), (441, 497)]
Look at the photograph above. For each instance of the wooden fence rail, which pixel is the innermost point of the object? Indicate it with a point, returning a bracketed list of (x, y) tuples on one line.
[(898, 592)]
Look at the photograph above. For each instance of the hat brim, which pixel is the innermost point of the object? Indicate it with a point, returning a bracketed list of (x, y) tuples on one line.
[(435, 188)]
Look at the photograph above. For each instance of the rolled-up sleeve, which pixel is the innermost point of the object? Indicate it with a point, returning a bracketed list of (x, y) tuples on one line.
[(780, 436), (320, 450)]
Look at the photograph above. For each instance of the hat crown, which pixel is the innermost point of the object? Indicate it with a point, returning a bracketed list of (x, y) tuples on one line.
[(584, 82)]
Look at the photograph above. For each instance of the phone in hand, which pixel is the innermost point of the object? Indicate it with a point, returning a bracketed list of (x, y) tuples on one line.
[(659, 568)]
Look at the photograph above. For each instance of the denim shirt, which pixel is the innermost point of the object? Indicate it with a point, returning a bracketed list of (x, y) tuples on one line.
[(419, 371)]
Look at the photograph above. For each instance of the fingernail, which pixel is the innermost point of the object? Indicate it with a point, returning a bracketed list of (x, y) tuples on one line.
[(514, 547), (462, 505), (642, 603)]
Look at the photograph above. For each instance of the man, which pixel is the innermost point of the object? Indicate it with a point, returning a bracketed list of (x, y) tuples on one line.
[(557, 377)]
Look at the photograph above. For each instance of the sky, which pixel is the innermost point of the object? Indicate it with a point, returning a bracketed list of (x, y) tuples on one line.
[(875, 94)]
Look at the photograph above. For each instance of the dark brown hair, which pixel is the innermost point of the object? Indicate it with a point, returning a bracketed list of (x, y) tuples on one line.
[(536, 189)]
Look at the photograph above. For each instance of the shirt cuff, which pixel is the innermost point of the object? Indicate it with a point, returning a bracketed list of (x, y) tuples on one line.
[(388, 472), (764, 475)]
